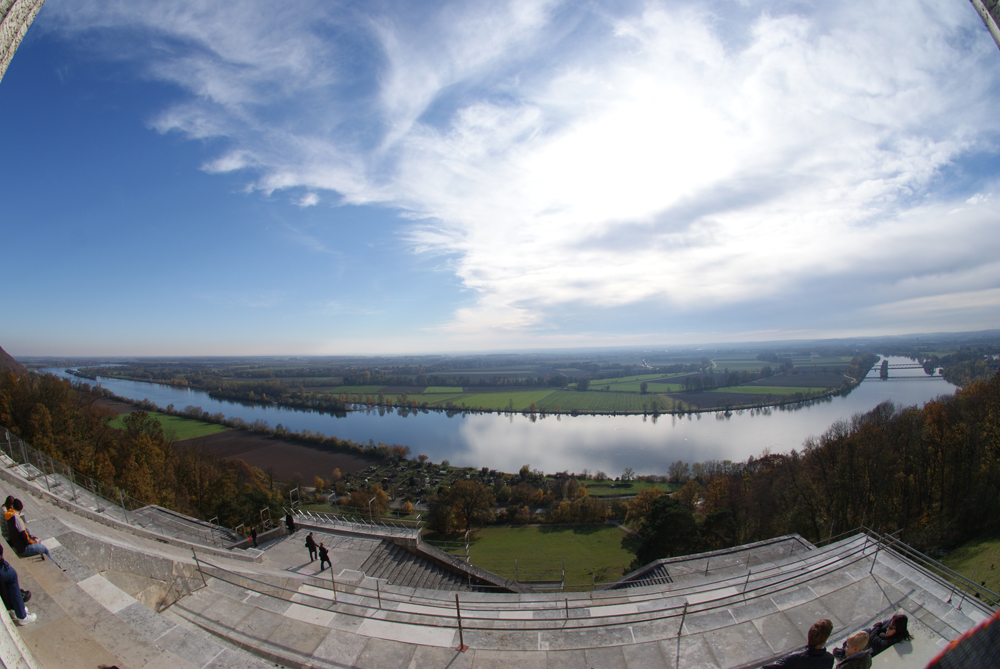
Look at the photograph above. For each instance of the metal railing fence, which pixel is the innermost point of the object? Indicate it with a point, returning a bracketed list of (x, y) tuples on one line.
[(357, 524)]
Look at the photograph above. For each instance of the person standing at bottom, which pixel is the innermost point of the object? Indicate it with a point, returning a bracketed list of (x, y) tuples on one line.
[(311, 545), (814, 655), (10, 593), (324, 556)]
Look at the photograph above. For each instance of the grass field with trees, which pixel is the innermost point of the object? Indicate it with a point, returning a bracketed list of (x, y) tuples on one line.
[(176, 428), (593, 552)]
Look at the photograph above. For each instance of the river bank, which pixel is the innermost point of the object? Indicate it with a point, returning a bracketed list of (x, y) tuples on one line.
[(287, 458)]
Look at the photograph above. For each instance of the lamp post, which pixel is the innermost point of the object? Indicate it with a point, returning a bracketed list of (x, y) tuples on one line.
[(370, 517)]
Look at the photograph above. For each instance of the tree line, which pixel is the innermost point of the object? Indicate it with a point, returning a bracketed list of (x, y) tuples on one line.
[(65, 422)]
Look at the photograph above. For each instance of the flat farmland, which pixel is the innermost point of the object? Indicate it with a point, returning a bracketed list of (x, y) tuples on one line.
[(176, 428), (770, 390), (358, 390), (437, 390), (739, 364), (498, 401), (800, 381), (599, 401)]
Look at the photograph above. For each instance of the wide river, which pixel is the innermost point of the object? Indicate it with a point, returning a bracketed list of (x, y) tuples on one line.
[(573, 443)]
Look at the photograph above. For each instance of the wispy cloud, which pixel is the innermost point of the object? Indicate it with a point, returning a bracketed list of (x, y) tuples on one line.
[(670, 154)]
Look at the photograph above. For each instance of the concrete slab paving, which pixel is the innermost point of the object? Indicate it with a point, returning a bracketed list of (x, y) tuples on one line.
[(641, 655), (300, 637), (611, 657), (340, 648), (804, 615), (65, 644), (565, 659), (145, 622), (132, 649), (189, 646), (436, 658), (492, 659), (779, 633), (381, 653), (689, 652), (738, 645), (168, 660)]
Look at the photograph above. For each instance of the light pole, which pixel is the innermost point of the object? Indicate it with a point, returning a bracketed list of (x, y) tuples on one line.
[(370, 517)]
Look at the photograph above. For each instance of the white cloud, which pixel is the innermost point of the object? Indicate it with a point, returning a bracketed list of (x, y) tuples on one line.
[(563, 155)]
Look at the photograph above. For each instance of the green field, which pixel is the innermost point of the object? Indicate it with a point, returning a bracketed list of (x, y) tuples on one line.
[(768, 390), (356, 390), (603, 402), (613, 489), (973, 560), (522, 399), (591, 552), (437, 390), (177, 428)]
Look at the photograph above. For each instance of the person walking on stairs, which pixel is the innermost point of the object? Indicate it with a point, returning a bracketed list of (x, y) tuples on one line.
[(324, 556), (311, 545)]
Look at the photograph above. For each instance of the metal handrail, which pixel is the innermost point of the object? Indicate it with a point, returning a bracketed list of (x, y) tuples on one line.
[(592, 620)]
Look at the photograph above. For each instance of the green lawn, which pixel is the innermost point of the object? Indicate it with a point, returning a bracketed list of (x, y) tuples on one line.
[(522, 399), (178, 428), (600, 401), (613, 489), (591, 552), (431, 390), (767, 390), (973, 560)]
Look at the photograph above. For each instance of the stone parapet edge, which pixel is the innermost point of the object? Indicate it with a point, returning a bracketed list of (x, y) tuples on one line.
[(245, 555)]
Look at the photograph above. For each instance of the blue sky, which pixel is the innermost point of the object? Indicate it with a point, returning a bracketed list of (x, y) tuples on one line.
[(190, 178)]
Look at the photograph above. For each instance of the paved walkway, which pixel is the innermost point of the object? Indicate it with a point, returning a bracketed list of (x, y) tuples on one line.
[(136, 602)]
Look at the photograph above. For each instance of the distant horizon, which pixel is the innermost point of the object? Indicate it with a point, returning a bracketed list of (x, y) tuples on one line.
[(192, 178), (833, 342)]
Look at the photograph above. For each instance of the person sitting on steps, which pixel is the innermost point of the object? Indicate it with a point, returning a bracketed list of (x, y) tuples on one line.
[(881, 635), (857, 657), (23, 543), (11, 594), (814, 655)]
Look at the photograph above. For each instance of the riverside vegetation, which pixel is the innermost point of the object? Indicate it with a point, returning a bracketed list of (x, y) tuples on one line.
[(678, 383), (933, 472)]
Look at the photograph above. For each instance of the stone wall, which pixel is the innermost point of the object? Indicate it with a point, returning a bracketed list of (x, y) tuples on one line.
[(15, 17)]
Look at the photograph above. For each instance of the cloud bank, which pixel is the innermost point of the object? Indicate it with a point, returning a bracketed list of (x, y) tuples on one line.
[(674, 158)]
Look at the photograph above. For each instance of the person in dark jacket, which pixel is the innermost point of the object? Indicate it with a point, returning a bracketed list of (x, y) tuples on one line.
[(814, 655), (22, 541), (881, 635), (290, 523), (888, 632), (11, 593), (324, 556), (857, 657), (311, 545)]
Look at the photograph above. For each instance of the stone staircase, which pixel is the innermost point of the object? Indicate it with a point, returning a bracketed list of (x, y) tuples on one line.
[(398, 566)]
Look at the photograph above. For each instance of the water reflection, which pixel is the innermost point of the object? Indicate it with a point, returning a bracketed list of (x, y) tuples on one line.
[(648, 444)]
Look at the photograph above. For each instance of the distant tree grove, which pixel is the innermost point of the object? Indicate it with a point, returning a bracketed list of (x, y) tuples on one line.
[(65, 423)]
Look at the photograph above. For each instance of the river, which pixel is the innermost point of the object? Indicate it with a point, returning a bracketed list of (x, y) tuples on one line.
[(573, 443)]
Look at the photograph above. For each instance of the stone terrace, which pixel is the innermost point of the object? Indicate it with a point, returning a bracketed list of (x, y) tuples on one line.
[(124, 596)]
